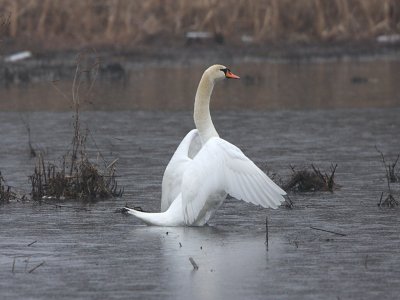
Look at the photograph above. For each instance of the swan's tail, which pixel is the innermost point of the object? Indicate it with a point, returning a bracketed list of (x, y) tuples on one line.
[(127, 210), (148, 218), (156, 219)]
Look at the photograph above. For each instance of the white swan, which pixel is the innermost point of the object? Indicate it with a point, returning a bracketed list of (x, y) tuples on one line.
[(205, 168)]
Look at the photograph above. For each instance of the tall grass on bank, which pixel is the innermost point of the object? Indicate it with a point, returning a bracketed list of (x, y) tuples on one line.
[(129, 23), (77, 177)]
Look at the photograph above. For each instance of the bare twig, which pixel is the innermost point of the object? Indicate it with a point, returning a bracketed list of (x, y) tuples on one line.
[(32, 150), (13, 265), (337, 233), (288, 202), (386, 168), (34, 268), (112, 163), (195, 266), (380, 200), (266, 233), (30, 244)]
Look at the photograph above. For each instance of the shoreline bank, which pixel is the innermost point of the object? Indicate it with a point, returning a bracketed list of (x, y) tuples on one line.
[(60, 65)]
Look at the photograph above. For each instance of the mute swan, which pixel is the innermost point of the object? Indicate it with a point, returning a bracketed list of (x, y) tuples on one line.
[(205, 168)]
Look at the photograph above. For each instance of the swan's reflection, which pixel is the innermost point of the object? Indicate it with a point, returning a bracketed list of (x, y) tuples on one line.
[(229, 261)]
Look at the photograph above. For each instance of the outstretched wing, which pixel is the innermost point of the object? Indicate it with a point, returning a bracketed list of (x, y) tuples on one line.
[(172, 179), (221, 166)]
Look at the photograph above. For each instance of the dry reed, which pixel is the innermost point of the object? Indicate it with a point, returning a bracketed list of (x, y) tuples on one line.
[(393, 171), (59, 23), (392, 175)]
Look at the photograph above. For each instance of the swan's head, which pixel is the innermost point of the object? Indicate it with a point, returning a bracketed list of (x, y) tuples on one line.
[(219, 72)]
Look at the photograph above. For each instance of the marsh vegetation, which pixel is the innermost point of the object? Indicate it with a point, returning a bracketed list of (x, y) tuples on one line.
[(6, 194), (311, 180), (388, 198), (77, 176)]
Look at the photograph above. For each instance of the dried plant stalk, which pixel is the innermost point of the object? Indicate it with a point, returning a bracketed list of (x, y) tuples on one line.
[(392, 175), (77, 177)]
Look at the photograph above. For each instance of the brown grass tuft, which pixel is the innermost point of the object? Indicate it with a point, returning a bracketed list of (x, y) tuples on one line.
[(86, 182), (311, 180)]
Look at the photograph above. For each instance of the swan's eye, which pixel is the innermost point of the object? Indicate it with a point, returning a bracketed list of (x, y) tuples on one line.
[(224, 70)]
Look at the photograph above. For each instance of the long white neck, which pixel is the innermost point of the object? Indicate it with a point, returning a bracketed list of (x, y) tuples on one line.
[(202, 117)]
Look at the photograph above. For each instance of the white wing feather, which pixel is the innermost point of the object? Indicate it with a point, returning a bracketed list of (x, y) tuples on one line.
[(222, 167), (172, 179)]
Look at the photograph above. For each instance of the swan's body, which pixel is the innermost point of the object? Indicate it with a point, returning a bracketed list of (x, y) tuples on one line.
[(205, 168)]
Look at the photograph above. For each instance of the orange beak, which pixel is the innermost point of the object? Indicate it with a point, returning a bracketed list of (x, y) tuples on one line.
[(229, 74)]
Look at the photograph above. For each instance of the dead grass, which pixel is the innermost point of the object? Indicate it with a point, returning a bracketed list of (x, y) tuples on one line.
[(304, 180), (311, 180), (392, 175), (6, 192), (77, 176), (76, 179), (389, 201), (59, 23), (393, 171)]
